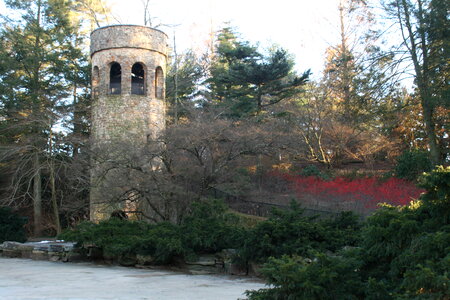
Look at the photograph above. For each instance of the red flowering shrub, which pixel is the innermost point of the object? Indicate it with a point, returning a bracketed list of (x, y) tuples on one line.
[(361, 194)]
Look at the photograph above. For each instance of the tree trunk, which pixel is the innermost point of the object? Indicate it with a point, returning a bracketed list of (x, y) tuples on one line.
[(428, 109), (346, 80), (422, 75), (37, 189), (175, 80), (77, 126), (54, 203), (53, 186), (37, 185)]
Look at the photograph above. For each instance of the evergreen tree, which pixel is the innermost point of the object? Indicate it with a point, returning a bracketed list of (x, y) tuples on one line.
[(182, 83), (357, 75), (245, 81), (37, 55), (423, 29)]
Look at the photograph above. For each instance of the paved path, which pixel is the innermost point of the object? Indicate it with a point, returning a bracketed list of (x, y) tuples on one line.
[(22, 279)]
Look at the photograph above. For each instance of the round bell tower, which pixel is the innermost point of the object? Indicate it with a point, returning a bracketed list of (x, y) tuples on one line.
[(128, 90)]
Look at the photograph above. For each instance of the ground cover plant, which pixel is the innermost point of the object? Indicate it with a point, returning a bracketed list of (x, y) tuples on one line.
[(358, 194)]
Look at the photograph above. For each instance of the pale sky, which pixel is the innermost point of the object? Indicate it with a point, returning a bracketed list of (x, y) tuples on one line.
[(304, 28)]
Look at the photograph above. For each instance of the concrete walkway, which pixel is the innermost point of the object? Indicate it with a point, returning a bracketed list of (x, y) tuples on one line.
[(22, 279)]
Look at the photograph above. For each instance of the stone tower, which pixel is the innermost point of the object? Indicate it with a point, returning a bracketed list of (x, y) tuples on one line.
[(128, 69)]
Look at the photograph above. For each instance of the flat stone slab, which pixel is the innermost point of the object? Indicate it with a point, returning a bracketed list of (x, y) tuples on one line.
[(55, 246), (40, 250), (23, 279)]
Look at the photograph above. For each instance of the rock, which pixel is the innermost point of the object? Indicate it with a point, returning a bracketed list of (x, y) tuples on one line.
[(42, 247), (204, 260), (144, 259), (228, 266), (12, 253), (254, 269), (26, 251), (39, 250), (235, 269), (39, 255), (25, 247), (73, 256), (54, 258), (94, 252), (201, 269), (206, 264), (127, 260), (11, 249), (56, 248), (10, 245), (227, 253)]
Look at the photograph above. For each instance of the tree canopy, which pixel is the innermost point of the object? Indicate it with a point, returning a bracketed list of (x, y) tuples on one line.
[(245, 81)]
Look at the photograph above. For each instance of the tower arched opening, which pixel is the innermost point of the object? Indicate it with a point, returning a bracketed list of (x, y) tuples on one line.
[(115, 79), (138, 79)]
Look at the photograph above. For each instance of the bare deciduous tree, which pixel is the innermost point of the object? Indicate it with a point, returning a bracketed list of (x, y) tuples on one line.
[(159, 181)]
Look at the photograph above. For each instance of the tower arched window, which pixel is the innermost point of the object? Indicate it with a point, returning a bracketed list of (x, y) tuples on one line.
[(115, 79), (159, 83), (138, 79)]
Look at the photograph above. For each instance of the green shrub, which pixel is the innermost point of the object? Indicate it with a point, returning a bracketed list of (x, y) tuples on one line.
[(211, 228), (289, 232), (385, 236), (408, 248), (163, 242), (115, 237), (402, 246), (324, 277), (312, 170), (247, 221), (437, 185), (411, 164), (119, 238), (11, 226), (342, 230)]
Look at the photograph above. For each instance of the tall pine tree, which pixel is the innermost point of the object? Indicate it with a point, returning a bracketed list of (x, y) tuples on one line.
[(35, 54), (245, 82), (422, 27)]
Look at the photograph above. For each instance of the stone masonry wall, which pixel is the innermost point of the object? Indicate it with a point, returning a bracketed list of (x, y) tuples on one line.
[(124, 118), (128, 36)]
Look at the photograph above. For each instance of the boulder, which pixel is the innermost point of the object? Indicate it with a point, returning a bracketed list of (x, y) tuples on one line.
[(145, 259), (11, 249)]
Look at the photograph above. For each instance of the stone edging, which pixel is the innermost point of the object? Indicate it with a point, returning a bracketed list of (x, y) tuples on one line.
[(45, 250), (219, 263)]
